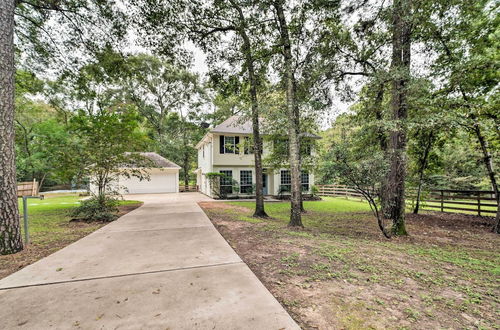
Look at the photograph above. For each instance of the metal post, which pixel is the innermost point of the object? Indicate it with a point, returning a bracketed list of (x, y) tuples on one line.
[(25, 216)]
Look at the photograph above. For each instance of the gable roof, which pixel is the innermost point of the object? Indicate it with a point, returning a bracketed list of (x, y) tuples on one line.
[(237, 125), (156, 160)]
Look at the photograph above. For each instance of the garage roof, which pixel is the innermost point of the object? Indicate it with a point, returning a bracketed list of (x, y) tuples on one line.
[(156, 160)]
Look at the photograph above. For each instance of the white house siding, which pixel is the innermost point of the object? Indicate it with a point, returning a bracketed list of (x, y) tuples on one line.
[(160, 181), (205, 161), (214, 161)]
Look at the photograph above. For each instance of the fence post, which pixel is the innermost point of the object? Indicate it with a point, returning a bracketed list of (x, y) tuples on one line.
[(479, 203), (442, 201)]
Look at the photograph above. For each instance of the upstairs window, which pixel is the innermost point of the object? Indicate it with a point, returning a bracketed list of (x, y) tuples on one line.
[(281, 146), (229, 144), (305, 147), (246, 182), (248, 147)]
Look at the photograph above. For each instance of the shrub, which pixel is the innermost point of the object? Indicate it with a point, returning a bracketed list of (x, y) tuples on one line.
[(97, 208)]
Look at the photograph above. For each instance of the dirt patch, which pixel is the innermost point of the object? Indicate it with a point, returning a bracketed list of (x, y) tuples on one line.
[(45, 243), (340, 273)]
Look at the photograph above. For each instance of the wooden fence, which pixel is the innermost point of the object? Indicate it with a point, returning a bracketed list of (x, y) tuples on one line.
[(188, 188), (29, 188), (338, 190), (480, 202)]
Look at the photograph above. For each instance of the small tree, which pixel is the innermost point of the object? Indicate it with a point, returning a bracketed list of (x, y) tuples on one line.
[(362, 171), (105, 141)]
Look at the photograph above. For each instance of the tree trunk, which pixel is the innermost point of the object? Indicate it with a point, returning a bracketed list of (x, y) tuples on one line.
[(401, 51), (293, 118), (10, 233), (421, 169), (382, 140), (488, 162), (257, 139)]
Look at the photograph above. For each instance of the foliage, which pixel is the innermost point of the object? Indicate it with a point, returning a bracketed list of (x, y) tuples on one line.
[(363, 171), (106, 142), (97, 208), (215, 178)]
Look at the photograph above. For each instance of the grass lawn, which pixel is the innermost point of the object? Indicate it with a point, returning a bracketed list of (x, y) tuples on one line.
[(51, 229), (341, 273)]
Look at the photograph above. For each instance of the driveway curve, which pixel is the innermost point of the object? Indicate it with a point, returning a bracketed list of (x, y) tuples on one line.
[(161, 266)]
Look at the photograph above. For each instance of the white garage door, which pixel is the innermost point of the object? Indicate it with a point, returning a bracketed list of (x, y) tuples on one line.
[(158, 183)]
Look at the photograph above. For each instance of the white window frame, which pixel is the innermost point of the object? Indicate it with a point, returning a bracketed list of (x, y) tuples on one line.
[(249, 175), (230, 148)]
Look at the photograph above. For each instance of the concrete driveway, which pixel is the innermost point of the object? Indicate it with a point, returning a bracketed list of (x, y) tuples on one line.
[(161, 266)]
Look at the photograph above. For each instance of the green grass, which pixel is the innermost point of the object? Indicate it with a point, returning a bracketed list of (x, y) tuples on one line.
[(280, 210), (48, 214)]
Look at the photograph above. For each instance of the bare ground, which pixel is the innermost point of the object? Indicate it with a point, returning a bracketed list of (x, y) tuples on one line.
[(340, 273)]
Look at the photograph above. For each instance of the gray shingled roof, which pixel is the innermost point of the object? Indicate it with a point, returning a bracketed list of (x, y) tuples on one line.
[(156, 160), (234, 124), (237, 125)]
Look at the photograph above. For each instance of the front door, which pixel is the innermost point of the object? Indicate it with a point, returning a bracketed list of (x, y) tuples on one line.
[(264, 184)]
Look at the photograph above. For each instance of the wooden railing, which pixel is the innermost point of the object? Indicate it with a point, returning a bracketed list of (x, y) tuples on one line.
[(480, 202), (188, 188), (29, 188), (338, 190)]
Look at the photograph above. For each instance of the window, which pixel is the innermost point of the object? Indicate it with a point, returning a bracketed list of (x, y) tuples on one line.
[(248, 147), (281, 146), (226, 182), (229, 144), (306, 147), (203, 151), (246, 182), (286, 181), (304, 179)]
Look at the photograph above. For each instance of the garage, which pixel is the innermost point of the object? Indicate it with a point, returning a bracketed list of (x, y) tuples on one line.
[(166, 181), (163, 177)]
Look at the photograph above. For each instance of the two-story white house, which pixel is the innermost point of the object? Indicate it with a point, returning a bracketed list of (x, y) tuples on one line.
[(226, 149)]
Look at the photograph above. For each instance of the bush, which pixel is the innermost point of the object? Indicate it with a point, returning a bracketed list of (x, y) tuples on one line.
[(97, 208)]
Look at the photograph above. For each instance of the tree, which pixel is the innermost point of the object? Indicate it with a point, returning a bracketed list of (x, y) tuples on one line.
[(293, 116), (183, 131), (10, 233), (206, 24), (41, 137), (88, 25), (361, 169), (400, 68), (106, 145), (467, 49)]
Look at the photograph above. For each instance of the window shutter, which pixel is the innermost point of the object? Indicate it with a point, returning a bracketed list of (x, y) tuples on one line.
[(237, 144), (221, 144)]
